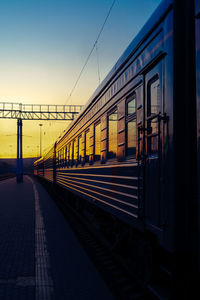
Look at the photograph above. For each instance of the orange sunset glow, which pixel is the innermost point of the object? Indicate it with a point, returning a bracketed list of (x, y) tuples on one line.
[(43, 48)]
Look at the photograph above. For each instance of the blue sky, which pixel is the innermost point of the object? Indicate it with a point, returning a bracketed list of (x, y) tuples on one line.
[(44, 44)]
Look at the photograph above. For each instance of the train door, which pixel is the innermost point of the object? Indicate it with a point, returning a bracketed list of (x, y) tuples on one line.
[(153, 140)]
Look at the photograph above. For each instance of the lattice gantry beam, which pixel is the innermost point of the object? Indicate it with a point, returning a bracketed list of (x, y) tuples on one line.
[(38, 112)]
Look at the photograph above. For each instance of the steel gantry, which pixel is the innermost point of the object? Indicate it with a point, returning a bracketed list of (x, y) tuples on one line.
[(19, 111), (10, 110)]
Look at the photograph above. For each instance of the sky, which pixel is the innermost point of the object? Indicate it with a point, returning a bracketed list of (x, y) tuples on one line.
[(44, 45)]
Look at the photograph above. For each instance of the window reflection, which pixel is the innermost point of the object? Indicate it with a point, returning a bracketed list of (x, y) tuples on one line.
[(155, 97), (131, 138), (154, 108), (131, 106), (131, 125), (66, 154), (87, 144), (58, 155), (73, 148), (80, 148), (97, 140), (154, 105), (76, 149), (70, 152), (59, 158), (112, 135), (62, 156)]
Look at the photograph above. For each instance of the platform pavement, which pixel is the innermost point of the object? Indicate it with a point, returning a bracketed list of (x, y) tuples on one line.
[(40, 257)]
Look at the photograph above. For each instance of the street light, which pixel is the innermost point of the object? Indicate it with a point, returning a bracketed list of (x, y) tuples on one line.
[(40, 139)]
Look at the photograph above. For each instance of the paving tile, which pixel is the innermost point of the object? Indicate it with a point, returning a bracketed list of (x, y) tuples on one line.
[(69, 275)]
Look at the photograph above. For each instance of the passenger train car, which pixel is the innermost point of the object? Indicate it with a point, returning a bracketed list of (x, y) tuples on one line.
[(134, 149)]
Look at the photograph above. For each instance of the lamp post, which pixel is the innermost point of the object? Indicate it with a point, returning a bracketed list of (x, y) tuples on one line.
[(40, 139)]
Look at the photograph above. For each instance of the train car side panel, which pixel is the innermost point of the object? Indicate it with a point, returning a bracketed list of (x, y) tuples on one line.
[(120, 109), (197, 27)]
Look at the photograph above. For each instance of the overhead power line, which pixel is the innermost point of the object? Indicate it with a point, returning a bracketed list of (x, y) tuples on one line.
[(93, 47), (98, 64)]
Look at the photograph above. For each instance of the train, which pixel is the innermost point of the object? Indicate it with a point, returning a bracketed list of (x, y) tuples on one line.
[(134, 149)]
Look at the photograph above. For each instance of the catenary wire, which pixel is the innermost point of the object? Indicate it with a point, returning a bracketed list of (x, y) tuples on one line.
[(93, 47)]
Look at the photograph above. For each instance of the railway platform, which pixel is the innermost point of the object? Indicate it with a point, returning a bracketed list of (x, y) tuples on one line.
[(40, 257)]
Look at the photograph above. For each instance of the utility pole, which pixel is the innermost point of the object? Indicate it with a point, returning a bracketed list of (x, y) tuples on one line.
[(40, 139), (19, 174)]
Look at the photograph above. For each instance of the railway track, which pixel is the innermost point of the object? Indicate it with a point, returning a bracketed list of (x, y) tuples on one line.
[(121, 282), (6, 176)]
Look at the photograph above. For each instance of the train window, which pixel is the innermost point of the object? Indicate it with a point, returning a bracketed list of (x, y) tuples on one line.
[(57, 157), (154, 97), (79, 147), (131, 106), (73, 150), (131, 137), (153, 110), (63, 150), (112, 135), (70, 152), (66, 154), (131, 125), (76, 149), (61, 157), (87, 146), (97, 142)]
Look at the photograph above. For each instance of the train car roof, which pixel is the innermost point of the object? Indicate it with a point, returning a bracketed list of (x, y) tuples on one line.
[(133, 46), (146, 30)]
